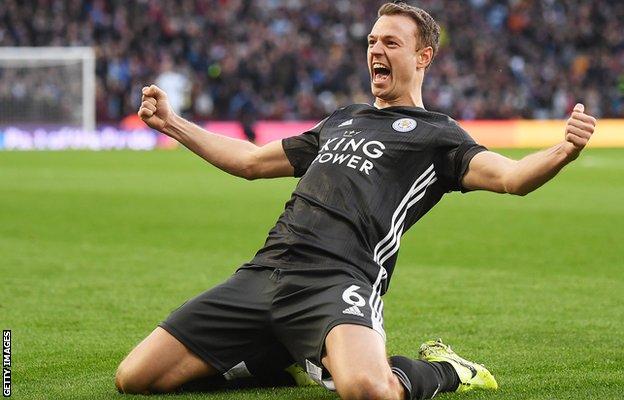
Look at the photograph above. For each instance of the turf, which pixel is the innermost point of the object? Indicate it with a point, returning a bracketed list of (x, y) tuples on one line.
[(97, 248)]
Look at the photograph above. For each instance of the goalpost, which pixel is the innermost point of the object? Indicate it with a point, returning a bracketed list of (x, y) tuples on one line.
[(47, 87)]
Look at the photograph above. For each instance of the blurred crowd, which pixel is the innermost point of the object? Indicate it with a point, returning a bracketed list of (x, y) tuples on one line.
[(300, 59)]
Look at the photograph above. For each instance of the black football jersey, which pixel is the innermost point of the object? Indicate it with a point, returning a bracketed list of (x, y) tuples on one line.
[(367, 175)]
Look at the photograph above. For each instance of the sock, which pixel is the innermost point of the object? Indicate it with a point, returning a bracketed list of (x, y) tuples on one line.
[(450, 378), (423, 379)]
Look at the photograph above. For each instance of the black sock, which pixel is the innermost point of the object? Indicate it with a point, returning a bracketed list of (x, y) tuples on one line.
[(450, 379), (423, 379)]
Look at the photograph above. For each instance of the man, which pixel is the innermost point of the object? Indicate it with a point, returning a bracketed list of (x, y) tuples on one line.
[(312, 294)]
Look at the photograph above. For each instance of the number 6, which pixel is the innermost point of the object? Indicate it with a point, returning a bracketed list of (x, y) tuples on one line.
[(350, 296)]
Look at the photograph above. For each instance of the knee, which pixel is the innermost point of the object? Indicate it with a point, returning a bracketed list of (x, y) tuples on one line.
[(129, 382), (367, 387), (133, 381)]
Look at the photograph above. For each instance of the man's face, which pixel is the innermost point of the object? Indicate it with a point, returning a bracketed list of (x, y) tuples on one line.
[(392, 56)]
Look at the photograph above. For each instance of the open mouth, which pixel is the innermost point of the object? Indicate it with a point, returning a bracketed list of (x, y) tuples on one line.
[(380, 72)]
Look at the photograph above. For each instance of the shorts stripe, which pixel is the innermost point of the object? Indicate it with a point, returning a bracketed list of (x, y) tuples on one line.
[(376, 303)]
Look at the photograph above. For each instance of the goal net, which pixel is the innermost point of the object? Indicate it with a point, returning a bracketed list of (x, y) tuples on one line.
[(47, 87)]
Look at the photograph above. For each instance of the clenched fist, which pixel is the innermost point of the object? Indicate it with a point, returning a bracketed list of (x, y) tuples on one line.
[(579, 129), (155, 110)]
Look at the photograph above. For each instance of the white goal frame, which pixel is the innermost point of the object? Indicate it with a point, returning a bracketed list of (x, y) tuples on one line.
[(16, 56)]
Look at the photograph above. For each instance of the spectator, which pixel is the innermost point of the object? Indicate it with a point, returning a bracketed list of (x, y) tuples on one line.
[(175, 84)]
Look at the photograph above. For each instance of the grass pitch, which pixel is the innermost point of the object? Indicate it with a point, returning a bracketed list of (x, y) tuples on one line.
[(97, 248)]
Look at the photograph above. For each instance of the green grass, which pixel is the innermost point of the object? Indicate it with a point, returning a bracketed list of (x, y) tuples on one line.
[(97, 248)]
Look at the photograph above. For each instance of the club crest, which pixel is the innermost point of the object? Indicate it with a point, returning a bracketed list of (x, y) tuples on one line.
[(404, 125)]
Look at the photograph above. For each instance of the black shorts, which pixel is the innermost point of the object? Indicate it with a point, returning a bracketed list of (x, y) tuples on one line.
[(264, 319)]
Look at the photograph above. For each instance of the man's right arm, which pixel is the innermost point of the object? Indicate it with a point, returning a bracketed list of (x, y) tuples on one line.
[(236, 157)]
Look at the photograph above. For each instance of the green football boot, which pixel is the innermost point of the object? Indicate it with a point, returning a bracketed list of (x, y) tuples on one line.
[(300, 376), (471, 375)]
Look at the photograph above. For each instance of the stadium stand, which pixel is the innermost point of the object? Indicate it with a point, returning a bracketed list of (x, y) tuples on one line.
[(299, 59)]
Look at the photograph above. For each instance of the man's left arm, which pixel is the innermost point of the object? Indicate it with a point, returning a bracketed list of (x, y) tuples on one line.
[(496, 173)]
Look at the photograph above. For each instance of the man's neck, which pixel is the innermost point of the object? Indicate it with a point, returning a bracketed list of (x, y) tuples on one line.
[(412, 100)]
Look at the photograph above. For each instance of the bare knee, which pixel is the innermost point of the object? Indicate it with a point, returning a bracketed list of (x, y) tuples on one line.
[(159, 364), (356, 359), (365, 387), (124, 382), (130, 380)]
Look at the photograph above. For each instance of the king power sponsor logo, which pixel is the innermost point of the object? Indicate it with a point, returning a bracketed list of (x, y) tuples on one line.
[(351, 152)]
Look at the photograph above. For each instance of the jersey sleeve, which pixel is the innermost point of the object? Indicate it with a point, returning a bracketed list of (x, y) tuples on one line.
[(457, 148), (302, 149)]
